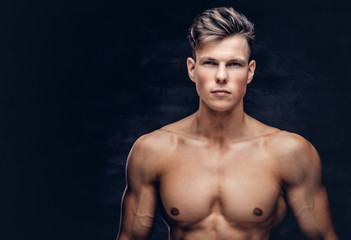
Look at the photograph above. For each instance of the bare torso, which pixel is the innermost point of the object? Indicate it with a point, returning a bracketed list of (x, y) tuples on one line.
[(220, 190), (219, 173)]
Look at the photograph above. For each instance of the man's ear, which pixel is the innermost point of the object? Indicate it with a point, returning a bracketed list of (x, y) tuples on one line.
[(190, 62), (252, 67)]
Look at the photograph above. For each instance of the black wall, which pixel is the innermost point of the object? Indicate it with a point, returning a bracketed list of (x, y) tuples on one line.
[(80, 81)]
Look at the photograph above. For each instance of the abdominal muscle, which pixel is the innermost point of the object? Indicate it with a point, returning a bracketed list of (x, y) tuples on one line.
[(215, 227)]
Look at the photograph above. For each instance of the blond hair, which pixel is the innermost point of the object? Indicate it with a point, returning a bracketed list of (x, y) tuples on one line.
[(217, 23)]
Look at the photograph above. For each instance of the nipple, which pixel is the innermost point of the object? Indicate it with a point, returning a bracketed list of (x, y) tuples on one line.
[(258, 212), (174, 211)]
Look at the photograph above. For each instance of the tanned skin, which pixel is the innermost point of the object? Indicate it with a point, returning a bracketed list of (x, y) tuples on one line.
[(219, 173)]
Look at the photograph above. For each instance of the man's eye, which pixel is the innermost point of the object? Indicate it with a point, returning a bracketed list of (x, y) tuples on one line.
[(209, 63), (234, 64)]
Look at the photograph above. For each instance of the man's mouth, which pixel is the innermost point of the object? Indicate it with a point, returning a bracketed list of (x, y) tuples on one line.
[(221, 92)]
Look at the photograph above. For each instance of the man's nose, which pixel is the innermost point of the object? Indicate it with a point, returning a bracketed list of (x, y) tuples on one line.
[(221, 76)]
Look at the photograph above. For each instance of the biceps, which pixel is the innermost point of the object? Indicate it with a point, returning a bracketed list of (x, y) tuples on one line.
[(311, 210), (138, 212), (301, 200)]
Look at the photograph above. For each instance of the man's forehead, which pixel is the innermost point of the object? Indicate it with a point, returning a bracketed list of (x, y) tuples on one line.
[(235, 47)]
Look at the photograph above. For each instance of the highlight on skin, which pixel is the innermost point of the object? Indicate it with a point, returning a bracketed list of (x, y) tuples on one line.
[(144, 220)]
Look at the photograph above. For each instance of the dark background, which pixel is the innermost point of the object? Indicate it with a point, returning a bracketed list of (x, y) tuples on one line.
[(80, 81)]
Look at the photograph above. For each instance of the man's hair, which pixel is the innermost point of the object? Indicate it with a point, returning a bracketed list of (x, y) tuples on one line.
[(217, 23)]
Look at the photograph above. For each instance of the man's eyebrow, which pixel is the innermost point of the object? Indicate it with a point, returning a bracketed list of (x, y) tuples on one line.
[(237, 60), (207, 58)]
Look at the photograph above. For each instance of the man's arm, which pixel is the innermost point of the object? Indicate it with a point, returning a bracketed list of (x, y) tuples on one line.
[(306, 195), (139, 200)]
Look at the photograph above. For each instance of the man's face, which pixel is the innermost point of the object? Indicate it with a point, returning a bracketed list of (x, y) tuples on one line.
[(221, 72)]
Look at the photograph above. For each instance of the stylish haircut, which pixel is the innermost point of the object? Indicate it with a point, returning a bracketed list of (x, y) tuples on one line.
[(217, 23)]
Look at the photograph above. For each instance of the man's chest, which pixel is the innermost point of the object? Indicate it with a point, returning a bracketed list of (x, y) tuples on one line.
[(241, 185)]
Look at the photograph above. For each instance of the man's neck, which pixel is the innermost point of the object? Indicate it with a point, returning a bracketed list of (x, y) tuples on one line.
[(220, 126)]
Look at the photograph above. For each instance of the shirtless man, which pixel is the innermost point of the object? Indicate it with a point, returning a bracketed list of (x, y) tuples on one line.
[(219, 173)]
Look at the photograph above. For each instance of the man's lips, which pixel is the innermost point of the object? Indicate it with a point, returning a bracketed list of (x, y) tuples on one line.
[(221, 92)]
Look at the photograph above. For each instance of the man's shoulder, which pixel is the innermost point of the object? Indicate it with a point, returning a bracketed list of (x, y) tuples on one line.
[(280, 141), (151, 151), (165, 136), (277, 140), (159, 140), (146, 154), (153, 141), (284, 142), (297, 157)]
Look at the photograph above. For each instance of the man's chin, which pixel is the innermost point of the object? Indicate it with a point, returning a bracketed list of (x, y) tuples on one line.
[(221, 109)]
